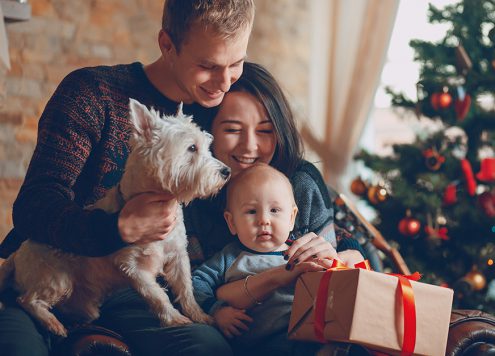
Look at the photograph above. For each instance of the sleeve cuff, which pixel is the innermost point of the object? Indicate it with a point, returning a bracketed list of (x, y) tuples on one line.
[(350, 243), (106, 226), (214, 306)]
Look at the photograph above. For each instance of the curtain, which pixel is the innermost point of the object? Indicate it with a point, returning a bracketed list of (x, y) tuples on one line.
[(349, 50), (4, 46)]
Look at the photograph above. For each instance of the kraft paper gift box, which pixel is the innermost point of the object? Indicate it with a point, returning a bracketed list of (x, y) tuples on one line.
[(366, 307)]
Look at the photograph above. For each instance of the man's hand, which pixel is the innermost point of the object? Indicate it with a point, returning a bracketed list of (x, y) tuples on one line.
[(232, 321), (147, 217)]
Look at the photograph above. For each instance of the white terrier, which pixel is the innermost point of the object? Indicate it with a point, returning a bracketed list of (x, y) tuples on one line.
[(169, 154)]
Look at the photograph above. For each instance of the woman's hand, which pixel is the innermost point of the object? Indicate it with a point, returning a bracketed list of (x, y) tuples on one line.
[(147, 217), (232, 321), (310, 247), (350, 257), (286, 277)]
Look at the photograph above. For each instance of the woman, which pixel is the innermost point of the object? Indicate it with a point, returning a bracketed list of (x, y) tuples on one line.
[(255, 124)]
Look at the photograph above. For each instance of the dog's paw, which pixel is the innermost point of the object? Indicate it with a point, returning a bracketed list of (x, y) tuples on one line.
[(202, 318), (56, 327), (174, 319)]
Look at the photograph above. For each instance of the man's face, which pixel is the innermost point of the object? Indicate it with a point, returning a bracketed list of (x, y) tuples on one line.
[(206, 65)]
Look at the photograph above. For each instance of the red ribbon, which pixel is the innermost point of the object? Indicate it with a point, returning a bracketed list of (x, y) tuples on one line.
[(469, 177), (407, 296), (321, 300)]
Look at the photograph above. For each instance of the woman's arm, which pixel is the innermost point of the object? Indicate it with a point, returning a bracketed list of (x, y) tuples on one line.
[(246, 293), (315, 221)]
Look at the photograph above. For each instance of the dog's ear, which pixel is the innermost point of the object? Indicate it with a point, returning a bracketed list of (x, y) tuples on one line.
[(141, 119), (209, 136), (179, 109), (180, 114)]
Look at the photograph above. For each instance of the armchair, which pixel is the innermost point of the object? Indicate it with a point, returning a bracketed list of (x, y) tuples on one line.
[(472, 332)]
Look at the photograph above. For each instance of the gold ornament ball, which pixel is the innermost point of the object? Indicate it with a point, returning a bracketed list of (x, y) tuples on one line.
[(381, 194), (358, 187), (476, 279), (372, 194), (441, 220), (377, 194)]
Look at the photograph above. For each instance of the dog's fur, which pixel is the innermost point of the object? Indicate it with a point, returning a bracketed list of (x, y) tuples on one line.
[(169, 154)]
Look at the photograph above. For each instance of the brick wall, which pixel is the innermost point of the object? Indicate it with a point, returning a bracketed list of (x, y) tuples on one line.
[(64, 35)]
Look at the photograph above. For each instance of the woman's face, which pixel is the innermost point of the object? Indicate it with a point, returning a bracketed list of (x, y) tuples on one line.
[(243, 133)]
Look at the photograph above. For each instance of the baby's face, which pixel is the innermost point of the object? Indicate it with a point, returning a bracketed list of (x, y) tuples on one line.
[(263, 213)]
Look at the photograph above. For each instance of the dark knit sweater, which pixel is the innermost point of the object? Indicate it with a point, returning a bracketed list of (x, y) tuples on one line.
[(81, 151)]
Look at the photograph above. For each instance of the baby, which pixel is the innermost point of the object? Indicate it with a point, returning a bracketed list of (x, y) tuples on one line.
[(261, 211)]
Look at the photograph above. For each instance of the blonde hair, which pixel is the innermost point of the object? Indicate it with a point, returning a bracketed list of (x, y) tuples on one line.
[(225, 17), (259, 169)]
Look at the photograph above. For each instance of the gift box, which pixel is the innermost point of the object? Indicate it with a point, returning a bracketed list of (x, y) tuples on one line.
[(371, 309)]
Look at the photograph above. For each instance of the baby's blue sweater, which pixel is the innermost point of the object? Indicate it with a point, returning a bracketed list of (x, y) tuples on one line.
[(233, 263)]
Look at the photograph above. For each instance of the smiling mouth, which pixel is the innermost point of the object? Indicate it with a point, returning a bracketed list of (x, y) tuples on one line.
[(213, 94), (245, 160)]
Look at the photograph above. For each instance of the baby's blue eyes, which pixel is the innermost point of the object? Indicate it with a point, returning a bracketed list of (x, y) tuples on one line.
[(272, 210)]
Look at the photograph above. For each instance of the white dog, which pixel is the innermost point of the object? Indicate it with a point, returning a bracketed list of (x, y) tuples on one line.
[(168, 154)]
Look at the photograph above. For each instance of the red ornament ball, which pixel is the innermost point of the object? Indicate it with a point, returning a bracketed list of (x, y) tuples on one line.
[(409, 226), (433, 159), (440, 100), (487, 202), (444, 100), (359, 187)]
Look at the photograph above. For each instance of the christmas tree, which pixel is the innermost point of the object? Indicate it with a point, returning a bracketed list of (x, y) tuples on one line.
[(435, 197)]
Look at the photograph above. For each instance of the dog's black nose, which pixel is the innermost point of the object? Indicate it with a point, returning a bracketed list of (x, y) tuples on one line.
[(225, 172)]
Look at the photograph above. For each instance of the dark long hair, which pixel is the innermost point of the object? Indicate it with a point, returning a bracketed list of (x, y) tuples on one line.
[(257, 81)]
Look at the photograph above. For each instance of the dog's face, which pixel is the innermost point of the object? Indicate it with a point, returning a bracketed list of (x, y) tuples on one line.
[(175, 153)]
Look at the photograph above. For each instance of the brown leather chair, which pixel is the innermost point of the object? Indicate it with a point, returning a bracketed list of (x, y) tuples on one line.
[(472, 333), (92, 340)]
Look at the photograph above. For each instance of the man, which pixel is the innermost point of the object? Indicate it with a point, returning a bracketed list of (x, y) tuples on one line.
[(81, 151)]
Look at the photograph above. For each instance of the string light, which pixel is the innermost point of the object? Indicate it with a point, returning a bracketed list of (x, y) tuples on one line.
[(490, 262)]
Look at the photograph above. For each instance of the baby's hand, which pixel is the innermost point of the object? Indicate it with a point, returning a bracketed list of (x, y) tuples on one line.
[(232, 321)]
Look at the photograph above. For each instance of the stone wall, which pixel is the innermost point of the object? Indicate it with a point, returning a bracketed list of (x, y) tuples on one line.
[(64, 35), (281, 41)]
